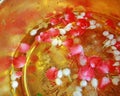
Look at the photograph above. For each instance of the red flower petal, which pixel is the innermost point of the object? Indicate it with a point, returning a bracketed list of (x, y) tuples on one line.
[(74, 32), (83, 23), (93, 61), (86, 73), (69, 15), (88, 14), (77, 49), (110, 23), (111, 67), (24, 47), (63, 21), (51, 73), (68, 42), (81, 31), (117, 45), (104, 82), (54, 21), (19, 62)]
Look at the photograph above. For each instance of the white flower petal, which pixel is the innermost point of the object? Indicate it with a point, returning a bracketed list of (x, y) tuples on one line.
[(116, 80), (83, 83), (33, 32), (14, 84), (1, 1), (77, 93), (110, 36), (116, 64), (54, 42), (105, 33), (68, 27), (94, 82), (60, 74), (78, 88), (92, 27), (113, 41), (13, 77), (66, 72), (58, 81), (92, 22), (62, 31)]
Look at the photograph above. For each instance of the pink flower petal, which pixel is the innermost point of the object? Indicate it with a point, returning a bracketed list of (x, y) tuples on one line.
[(45, 37), (106, 67), (53, 32), (104, 82), (38, 38), (78, 49), (19, 61), (76, 32), (18, 74), (51, 73), (86, 73), (103, 67), (24, 47)]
